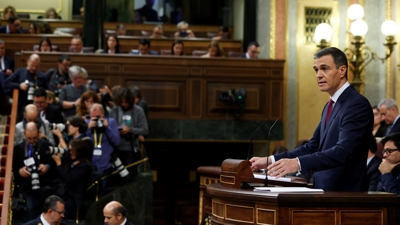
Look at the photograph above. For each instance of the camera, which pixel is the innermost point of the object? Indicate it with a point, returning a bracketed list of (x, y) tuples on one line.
[(31, 89), (34, 177), (54, 126), (237, 97), (57, 92), (55, 150), (123, 172), (99, 125)]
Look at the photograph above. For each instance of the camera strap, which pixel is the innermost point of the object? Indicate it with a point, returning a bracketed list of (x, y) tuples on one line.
[(97, 144)]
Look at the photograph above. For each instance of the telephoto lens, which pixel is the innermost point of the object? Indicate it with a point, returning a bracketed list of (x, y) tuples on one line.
[(60, 126), (34, 177), (123, 172), (31, 89), (55, 150)]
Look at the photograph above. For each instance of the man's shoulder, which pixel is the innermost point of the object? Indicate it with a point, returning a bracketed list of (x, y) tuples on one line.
[(34, 222), (3, 29)]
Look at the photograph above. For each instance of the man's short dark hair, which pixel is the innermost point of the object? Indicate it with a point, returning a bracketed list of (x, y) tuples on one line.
[(40, 92), (253, 43), (64, 57), (124, 93), (119, 209), (339, 58), (12, 19), (372, 144), (136, 91), (51, 203), (395, 137), (144, 42), (78, 121)]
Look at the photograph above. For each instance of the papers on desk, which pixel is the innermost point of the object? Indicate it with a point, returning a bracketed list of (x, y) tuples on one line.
[(262, 176), (289, 189)]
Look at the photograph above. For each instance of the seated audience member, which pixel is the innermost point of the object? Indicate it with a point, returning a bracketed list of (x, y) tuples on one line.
[(49, 112), (6, 63), (379, 124), (9, 12), (120, 29), (389, 180), (139, 100), (253, 50), (51, 13), (31, 114), (115, 213), (45, 45), (13, 26), (105, 135), (158, 32), (74, 175), (53, 212), (223, 33), (183, 31), (144, 48), (132, 123), (40, 27), (177, 48), (214, 50), (70, 94), (77, 45), (58, 77), (87, 100), (373, 163), (34, 148), (112, 46), (90, 85), (33, 28), (25, 79), (390, 113)]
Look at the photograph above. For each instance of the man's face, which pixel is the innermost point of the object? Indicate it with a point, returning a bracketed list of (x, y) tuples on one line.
[(95, 112), (57, 214), (77, 80), (328, 77), (121, 31), (124, 104), (253, 52), (393, 157), (64, 66), (110, 218), (144, 49), (33, 66), (157, 32), (388, 115), (377, 117), (76, 45), (2, 50), (32, 136), (14, 27), (40, 102)]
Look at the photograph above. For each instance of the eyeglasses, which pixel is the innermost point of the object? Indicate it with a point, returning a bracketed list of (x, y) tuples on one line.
[(61, 213), (388, 150)]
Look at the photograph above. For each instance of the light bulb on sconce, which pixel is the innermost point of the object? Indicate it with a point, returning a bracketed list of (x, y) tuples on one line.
[(323, 35)]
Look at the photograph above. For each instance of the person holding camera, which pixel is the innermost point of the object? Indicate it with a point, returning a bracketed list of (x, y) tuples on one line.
[(58, 77), (74, 172), (26, 80), (33, 170), (70, 95), (76, 129)]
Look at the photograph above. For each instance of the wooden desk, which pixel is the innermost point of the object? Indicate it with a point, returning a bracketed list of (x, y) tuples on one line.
[(246, 206)]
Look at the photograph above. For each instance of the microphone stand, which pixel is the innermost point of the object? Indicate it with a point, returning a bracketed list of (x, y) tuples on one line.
[(268, 143)]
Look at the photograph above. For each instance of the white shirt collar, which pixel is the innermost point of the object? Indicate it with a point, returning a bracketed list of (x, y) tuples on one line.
[(247, 56), (123, 223), (43, 220), (337, 94), (369, 159)]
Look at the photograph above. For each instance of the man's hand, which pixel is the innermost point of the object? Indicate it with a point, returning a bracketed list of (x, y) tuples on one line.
[(105, 122), (77, 102), (258, 163), (57, 159), (24, 173), (8, 72), (124, 130), (386, 166), (23, 86), (283, 167), (141, 138), (92, 122), (43, 169), (57, 132)]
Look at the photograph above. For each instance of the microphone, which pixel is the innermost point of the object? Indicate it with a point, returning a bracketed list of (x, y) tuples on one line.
[(251, 137), (268, 141)]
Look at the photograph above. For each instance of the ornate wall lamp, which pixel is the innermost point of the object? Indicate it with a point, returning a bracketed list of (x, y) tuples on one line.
[(360, 55)]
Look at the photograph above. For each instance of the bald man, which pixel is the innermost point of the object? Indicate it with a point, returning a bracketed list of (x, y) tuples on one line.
[(22, 78), (115, 214), (31, 162), (31, 114)]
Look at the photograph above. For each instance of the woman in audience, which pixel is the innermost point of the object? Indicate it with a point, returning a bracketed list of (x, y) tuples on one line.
[(177, 48), (33, 28), (8, 12), (74, 176), (112, 45), (379, 124), (52, 98), (214, 50), (88, 98), (51, 13), (45, 45)]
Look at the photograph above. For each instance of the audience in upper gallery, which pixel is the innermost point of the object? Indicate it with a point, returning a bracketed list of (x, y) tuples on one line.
[(112, 45), (45, 45), (50, 13), (183, 31), (253, 50), (50, 112), (373, 163), (223, 33), (87, 100), (13, 26), (158, 32), (6, 63), (177, 48), (70, 95), (120, 29), (390, 114), (214, 50), (76, 45), (144, 48), (379, 124), (41, 28), (26, 79), (58, 77), (9, 12), (90, 85), (33, 28), (389, 180), (139, 100)]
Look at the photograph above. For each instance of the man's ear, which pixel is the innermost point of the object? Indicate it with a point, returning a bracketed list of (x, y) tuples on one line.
[(342, 70)]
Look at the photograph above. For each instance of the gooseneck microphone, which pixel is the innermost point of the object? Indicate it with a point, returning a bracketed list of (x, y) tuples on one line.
[(251, 137), (268, 141)]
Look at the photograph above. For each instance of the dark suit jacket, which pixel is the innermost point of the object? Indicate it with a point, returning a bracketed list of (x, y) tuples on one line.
[(3, 30), (37, 221), (373, 173), (54, 114), (337, 152), (8, 64), (390, 182), (395, 128), (127, 223)]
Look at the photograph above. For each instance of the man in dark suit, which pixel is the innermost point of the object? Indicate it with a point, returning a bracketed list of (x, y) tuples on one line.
[(390, 113), (337, 152), (144, 48), (6, 68), (373, 163), (253, 50), (53, 212), (50, 112), (13, 26), (115, 214)]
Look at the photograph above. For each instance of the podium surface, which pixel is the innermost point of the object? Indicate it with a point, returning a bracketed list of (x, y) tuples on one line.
[(247, 206)]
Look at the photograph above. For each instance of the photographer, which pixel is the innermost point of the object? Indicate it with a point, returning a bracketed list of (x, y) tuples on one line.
[(33, 170), (58, 77), (74, 176), (76, 129)]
